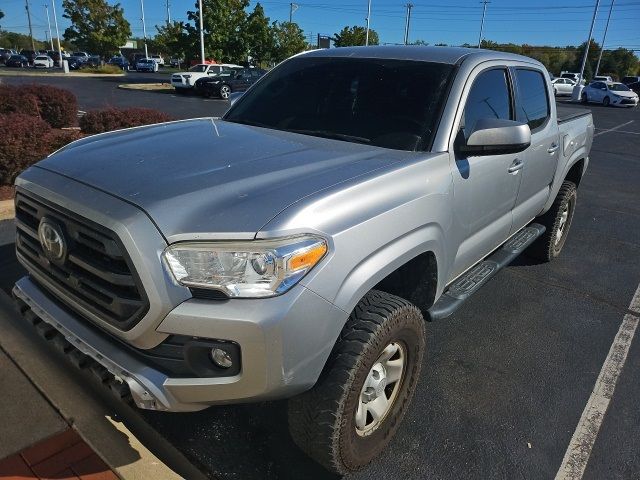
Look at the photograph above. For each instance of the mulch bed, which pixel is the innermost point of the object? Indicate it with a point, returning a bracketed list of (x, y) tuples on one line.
[(7, 192)]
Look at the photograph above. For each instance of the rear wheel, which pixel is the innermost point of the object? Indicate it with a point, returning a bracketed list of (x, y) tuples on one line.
[(557, 222), (606, 101), (352, 413)]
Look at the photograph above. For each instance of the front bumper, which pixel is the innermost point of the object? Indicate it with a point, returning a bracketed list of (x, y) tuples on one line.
[(284, 344)]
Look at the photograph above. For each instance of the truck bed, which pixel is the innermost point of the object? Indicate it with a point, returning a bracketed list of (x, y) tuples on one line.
[(569, 113)]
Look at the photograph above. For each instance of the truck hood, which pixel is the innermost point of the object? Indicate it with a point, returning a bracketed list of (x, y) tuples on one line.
[(206, 178)]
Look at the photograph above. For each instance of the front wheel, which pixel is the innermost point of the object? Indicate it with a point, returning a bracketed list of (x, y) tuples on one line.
[(606, 101), (584, 98), (355, 408), (557, 221), (225, 92)]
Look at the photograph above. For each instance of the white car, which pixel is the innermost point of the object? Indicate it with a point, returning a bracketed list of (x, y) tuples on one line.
[(614, 93), (183, 81), (43, 61), (562, 86), (158, 59), (602, 78)]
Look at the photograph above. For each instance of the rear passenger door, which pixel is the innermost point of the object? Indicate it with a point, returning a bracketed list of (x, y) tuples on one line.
[(533, 107)]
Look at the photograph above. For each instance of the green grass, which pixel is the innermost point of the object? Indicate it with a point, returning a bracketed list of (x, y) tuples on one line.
[(106, 69)]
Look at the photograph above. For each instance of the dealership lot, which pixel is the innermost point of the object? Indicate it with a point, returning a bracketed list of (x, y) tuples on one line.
[(505, 380)]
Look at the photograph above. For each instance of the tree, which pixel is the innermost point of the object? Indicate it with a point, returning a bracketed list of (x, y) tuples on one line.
[(355, 36), (260, 40), (19, 41), (173, 39), (224, 23), (289, 40), (96, 26)]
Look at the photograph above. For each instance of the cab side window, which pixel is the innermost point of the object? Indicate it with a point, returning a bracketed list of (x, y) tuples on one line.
[(489, 98), (533, 101)]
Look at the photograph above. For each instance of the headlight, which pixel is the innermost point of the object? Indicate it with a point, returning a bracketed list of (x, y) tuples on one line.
[(250, 269)]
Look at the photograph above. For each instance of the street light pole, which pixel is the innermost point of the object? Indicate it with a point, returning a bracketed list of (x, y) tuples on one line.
[(46, 9), (201, 32), (586, 48), (55, 22), (366, 37), (144, 31), (604, 38), (33, 45), (407, 23)]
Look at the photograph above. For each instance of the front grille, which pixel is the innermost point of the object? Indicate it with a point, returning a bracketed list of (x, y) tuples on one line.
[(628, 101), (95, 276)]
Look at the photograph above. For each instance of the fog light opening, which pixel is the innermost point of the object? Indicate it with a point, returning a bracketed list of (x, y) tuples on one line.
[(221, 358)]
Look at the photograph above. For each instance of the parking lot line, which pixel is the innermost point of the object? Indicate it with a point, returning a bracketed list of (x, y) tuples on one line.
[(577, 455), (622, 131), (614, 128)]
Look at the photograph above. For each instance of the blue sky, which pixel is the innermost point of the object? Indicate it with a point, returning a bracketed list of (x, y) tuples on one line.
[(549, 22)]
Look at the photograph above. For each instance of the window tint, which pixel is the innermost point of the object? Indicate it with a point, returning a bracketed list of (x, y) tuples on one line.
[(488, 98), (533, 102), (382, 102)]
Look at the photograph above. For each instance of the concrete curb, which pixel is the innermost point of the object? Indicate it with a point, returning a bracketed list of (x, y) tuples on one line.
[(7, 210), (115, 431), (22, 73), (142, 87)]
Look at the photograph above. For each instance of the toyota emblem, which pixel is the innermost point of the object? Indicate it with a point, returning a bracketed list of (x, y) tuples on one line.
[(52, 240)]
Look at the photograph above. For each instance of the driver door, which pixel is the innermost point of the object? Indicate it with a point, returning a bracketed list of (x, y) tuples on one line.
[(485, 187)]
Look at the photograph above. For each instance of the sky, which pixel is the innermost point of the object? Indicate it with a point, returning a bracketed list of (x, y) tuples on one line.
[(541, 22)]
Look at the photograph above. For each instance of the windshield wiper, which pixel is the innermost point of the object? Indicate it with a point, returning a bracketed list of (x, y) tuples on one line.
[(333, 135)]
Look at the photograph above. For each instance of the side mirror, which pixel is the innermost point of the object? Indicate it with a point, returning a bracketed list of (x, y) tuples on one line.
[(495, 136), (234, 97)]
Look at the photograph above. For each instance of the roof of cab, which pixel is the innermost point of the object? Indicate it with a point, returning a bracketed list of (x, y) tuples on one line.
[(448, 55)]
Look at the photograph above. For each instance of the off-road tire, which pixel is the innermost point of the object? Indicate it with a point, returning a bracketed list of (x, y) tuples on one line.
[(322, 420), (546, 248)]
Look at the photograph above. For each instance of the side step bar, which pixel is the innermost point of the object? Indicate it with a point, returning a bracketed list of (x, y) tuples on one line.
[(469, 283)]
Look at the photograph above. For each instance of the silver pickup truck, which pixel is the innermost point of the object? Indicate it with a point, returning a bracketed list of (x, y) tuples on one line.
[(295, 248)]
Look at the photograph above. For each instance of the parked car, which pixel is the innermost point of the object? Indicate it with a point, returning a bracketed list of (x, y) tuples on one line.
[(158, 59), (94, 61), (176, 62), (30, 54), (43, 61), (5, 54), (572, 76), (635, 87), (119, 61), (17, 61), (631, 79), (563, 86), (299, 257), (614, 94), (185, 81), (602, 78), (146, 65), (224, 85), (81, 56)]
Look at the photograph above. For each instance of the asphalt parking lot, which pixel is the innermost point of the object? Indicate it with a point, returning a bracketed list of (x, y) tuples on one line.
[(505, 379)]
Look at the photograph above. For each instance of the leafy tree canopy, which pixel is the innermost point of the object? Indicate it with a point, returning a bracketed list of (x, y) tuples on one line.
[(96, 26), (355, 36), (289, 40)]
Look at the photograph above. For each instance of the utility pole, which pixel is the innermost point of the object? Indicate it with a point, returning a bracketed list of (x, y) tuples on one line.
[(168, 13), (144, 31), (366, 38), (201, 31), (484, 11), (407, 21), (586, 48), (46, 9), (33, 45), (604, 38), (292, 8), (55, 22)]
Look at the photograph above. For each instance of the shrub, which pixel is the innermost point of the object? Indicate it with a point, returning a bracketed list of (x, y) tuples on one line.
[(14, 100), (99, 121), (105, 69), (57, 106), (24, 141)]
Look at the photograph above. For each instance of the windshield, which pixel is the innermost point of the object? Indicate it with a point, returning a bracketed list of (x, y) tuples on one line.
[(568, 75), (386, 103), (618, 87), (198, 68)]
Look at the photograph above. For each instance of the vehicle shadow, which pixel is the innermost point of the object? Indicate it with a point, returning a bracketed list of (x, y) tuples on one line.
[(240, 441)]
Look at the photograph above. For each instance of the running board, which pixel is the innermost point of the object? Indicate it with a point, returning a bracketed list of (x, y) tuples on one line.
[(470, 282)]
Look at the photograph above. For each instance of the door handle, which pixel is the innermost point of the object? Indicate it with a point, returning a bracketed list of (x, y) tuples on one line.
[(515, 166), (553, 148)]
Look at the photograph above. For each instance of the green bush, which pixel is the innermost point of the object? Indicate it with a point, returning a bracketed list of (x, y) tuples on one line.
[(105, 69)]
